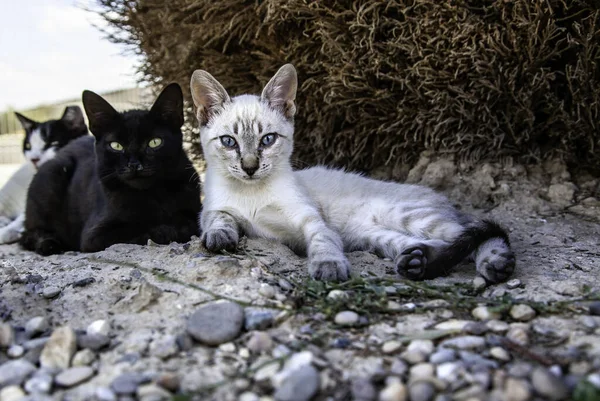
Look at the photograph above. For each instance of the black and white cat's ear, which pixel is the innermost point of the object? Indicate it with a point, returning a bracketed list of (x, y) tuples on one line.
[(208, 95), (100, 113), (73, 118), (280, 92), (26, 123), (169, 105)]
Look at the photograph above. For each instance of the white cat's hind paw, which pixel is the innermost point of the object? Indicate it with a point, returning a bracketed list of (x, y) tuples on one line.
[(8, 235), (329, 268)]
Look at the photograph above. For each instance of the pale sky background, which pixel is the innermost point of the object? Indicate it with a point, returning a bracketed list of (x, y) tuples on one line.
[(50, 51)]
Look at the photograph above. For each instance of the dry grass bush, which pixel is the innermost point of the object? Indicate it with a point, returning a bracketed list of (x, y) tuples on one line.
[(383, 80)]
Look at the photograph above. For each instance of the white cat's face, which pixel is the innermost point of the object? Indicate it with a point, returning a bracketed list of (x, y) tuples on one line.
[(248, 138)]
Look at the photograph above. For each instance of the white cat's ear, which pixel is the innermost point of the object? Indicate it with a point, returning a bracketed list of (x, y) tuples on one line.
[(169, 105), (73, 118), (280, 92), (208, 95), (100, 113), (26, 123)]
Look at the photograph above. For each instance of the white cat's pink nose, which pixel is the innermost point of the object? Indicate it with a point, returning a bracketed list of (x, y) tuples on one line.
[(35, 161)]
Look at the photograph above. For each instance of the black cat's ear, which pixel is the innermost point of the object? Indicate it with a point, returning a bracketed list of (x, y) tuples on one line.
[(100, 113), (73, 118), (169, 105), (26, 123), (208, 95), (280, 92)]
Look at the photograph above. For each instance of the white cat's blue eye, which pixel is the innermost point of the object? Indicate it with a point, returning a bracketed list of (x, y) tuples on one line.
[(228, 141), (268, 139)]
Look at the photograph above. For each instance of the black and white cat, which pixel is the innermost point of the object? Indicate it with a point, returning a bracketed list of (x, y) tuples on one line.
[(131, 183), (42, 141), (250, 189)]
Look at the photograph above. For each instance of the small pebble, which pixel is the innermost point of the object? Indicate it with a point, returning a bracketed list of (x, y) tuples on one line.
[(465, 342), (7, 335), (302, 385), (479, 283), (453, 325), (37, 325), (346, 318), (170, 381), (248, 396), (152, 392), (337, 294), (390, 347), (15, 351), (517, 389), (15, 372), (421, 371), (105, 394), (128, 383), (39, 383), (394, 391), (216, 322), (594, 308), (98, 327), (59, 349), (95, 342), (421, 391), (548, 385), (413, 357), (514, 283), (266, 290), (85, 357), (51, 292), (258, 319), (227, 347), (484, 313), (497, 326), (522, 312), (11, 393), (518, 335), (398, 367), (520, 370), (74, 376), (260, 342), (500, 354), (443, 355)]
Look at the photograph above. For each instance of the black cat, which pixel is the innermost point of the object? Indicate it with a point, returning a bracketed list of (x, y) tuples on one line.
[(135, 183)]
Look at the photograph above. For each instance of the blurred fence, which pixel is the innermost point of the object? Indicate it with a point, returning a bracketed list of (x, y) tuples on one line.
[(12, 134)]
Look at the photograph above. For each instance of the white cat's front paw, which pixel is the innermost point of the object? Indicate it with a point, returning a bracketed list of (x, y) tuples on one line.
[(8, 235), (329, 268), (218, 239)]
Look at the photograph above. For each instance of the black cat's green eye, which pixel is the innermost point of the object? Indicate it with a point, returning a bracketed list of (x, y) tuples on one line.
[(116, 146), (155, 143), (228, 141), (268, 139), (27, 146)]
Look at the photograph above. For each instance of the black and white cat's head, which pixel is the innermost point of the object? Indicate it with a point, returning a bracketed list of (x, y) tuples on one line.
[(137, 147), (248, 138), (42, 140)]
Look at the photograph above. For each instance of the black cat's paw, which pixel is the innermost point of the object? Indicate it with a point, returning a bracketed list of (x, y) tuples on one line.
[(219, 239), (497, 267), (412, 263), (329, 268), (47, 246)]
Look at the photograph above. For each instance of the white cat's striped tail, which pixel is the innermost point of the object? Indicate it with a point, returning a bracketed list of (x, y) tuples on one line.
[(489, 244)]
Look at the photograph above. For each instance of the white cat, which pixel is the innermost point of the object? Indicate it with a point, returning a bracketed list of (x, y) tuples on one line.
[(250, 188), (42, 141)]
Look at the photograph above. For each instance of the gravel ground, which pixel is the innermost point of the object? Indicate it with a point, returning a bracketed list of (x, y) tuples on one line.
[(156, 322)]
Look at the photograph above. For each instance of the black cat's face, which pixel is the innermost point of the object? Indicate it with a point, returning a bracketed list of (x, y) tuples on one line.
[(137, 148), (42, 140)]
